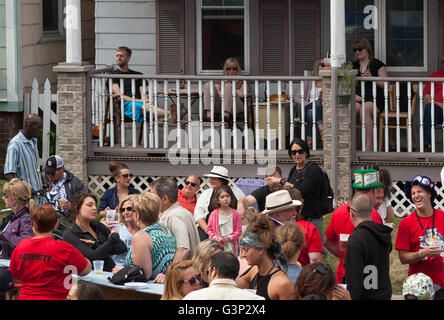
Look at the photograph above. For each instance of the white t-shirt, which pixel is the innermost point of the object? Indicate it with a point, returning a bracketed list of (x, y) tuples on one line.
[(382, 210), (127, 238)]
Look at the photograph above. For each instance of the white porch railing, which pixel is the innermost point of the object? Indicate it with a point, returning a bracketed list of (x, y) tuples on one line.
[(41, 103)]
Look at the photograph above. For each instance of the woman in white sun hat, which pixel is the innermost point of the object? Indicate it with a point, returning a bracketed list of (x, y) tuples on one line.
[(218, 177)]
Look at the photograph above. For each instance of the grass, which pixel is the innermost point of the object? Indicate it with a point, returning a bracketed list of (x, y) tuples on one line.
[(398, 272)]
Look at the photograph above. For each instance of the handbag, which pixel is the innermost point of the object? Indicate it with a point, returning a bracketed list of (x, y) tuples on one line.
[(129, 273)]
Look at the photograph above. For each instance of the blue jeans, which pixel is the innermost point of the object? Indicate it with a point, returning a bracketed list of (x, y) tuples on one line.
[(428, 121), (309, 117)]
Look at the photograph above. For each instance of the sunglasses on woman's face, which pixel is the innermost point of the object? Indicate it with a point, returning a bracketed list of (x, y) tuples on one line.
[(129, 209), (126, 175), (193, 280), (322, 268), (293, 152), (232, 69), (358, 49), (192, 183)]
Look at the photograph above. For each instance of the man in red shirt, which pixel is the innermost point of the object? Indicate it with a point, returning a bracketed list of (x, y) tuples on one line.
[(187, 196), (438, 101), (420, 235), (340, 226)]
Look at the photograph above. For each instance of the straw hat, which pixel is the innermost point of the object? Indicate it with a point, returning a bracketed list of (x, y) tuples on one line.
[(218, 172), (279, 201)]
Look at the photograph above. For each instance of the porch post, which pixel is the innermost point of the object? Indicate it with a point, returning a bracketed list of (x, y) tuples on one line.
[(337, 138), (72, 116), (337, 32), (73, 32)]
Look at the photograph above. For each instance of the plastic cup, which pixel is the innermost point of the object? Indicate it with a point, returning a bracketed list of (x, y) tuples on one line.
[(110, 215), (342, 285), (343, 241), (98, 266), (62, 202)]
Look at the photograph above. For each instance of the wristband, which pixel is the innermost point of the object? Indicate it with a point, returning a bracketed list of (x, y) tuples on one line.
[(283, 181), (420, 255)]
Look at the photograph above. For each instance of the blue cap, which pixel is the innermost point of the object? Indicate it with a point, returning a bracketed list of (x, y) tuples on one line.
[(423, 181)]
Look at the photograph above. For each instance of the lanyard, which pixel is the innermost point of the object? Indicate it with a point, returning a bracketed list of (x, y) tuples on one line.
[(433, 223)]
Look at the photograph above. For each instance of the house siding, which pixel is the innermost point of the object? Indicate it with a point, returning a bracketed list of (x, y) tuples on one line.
[(126, 23)]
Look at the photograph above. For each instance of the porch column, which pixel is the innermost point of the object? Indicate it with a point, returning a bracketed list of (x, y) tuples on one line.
[(73, 32), (72, 117), (337, 139), (337, 32)]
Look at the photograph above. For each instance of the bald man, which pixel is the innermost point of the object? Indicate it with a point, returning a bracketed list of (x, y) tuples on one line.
[(187, 196), (22, 155)]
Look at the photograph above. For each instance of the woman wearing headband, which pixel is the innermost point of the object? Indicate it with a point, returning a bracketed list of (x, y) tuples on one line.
[(267, 273), (419, 240)]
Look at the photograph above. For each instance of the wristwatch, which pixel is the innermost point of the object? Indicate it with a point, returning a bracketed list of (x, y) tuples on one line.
[(282, 182)]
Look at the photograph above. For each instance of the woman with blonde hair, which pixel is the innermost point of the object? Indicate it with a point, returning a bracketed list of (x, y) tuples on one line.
[(126, 227), (312, 95), (112, 197), (231, 68), (181, 278), (291, 238), (16, 226), (368, 66), (154, 245), (202, 258)]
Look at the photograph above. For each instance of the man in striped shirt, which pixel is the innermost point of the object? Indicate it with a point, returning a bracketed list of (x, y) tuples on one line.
[(22, 157)]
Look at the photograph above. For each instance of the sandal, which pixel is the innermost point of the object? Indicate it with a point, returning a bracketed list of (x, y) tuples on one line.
[(321, 132)]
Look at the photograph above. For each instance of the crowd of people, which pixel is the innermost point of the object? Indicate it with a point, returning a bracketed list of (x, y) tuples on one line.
[(213, 244)]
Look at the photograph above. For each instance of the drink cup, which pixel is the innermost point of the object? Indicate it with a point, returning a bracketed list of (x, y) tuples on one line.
[(110, 215), (98, 266), (342, 285), (62, 202), (343, 241), (327, 62)]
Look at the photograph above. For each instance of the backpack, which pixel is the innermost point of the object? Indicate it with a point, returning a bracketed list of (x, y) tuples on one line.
[(129, 273), (326, 195)]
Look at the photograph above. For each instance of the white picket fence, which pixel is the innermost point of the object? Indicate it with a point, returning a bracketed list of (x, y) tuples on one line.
[(40, 103)]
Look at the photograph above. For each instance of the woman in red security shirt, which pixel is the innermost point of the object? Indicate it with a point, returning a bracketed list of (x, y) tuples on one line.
[(43, 264), (418, 232)]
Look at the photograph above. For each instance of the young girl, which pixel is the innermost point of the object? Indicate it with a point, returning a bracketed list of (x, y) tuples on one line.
[(224, 223)]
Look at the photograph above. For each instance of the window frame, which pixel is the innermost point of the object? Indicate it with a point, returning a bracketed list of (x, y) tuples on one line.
[(60, 33), (199, 8)]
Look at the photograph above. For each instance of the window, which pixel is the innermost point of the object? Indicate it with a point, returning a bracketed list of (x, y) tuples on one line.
[(52, 19), (222, 32), (396, 29)]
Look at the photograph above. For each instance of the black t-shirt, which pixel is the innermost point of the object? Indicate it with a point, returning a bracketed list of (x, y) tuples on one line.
[(260, 194), (127, 83), (374, 66), (308, 181)]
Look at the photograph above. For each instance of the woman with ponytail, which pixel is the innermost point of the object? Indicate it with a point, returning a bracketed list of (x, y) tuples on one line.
[(111, 198), (267, 274), (16, 226)]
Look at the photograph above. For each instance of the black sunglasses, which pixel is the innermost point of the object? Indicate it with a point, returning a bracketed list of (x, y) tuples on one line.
[(322, 268), (293, 152), (193, 280), (358, 49), (192, 183), (322, 65), (130, 209), (350, 209), (126, 175), (229, 69)]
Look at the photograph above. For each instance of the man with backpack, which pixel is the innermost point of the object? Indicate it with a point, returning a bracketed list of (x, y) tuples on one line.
[(341, 227)]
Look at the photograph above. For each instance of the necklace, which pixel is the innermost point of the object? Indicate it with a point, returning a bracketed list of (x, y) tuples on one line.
[(433, 224)]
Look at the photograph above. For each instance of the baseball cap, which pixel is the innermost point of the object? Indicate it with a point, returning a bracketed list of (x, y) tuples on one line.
[(6, 283), (419, 285), (53, 163)]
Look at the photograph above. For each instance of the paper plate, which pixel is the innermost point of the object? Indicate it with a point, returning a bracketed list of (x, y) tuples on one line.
[(136, 285)]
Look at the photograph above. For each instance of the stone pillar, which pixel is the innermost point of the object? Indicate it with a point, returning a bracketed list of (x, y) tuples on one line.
[(72, 117), (339, 161)]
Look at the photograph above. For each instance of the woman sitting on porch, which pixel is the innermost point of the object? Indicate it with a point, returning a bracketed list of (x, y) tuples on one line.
[(311, 96), (368, 66), (111, 198), (231, 68)]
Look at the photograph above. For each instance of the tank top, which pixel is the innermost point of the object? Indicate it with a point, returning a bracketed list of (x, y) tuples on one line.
[(261, 282)]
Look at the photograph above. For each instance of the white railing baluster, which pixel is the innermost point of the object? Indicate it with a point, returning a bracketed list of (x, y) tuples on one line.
[(245, 114), (268, 117), (290, 92), (302, 111), (111, 116), (200, 116), (409, 117), (256, 95), (212, 112), (122, 115), (375, 119), (421, 118), (398, 129), (279, 115), (190, 136), (144, 108), (179, 135), (100, 109), (234, 113), (133, 103), (386, 110), (313, 114), (156, 114), (222, 111), (93, 103), (165, 110), (363, 115), (432, 116), (152, 118)]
